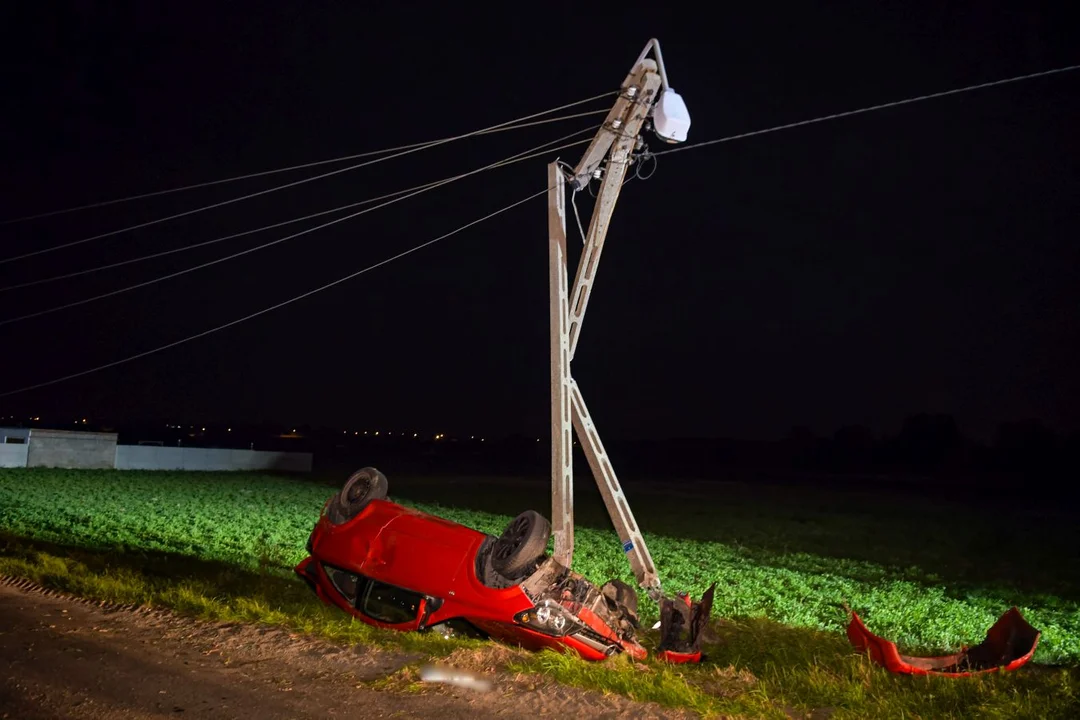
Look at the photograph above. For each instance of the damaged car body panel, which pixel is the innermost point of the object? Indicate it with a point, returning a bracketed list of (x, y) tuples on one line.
[(604, 618), (1009, 644), (399, 568), (682, 625)]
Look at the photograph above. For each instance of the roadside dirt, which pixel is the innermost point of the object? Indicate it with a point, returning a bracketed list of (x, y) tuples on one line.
[(62, 657)]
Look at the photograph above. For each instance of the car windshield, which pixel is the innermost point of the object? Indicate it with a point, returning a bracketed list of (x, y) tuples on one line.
[(378, 600)]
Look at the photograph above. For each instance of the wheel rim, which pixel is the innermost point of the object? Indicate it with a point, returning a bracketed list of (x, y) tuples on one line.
[(358, 490), (513, 538)]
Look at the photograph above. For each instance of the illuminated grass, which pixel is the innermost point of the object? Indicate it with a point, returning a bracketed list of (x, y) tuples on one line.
[(206, 590), (779, 647), (753, 669), (247, 520)]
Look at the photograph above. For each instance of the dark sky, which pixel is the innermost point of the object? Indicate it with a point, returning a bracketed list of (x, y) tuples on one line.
[(922, 258)]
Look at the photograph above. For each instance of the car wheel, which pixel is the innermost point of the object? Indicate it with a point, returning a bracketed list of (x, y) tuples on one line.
[(361, 488), (523, 541)]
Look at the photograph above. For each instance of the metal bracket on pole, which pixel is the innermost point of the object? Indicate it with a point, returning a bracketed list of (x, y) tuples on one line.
[(615, 141)]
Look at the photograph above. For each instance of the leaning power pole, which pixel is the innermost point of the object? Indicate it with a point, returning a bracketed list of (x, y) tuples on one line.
[(644, 98)]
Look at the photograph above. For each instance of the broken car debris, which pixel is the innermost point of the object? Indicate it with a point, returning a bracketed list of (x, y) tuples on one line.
[(1009, 644), (396, 567)]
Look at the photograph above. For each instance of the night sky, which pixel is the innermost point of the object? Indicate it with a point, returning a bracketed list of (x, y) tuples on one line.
[(922, 258)]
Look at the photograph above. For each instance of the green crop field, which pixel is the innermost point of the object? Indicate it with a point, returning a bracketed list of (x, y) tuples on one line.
[(930, 577)]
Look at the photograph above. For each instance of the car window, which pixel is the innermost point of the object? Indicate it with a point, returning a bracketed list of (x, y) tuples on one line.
[(389, 604), (344, 582)]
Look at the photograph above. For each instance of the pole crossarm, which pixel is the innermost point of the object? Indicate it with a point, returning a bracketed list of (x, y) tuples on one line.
[(614, 123)]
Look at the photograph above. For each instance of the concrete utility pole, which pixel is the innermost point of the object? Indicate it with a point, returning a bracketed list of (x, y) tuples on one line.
[(638, 103)]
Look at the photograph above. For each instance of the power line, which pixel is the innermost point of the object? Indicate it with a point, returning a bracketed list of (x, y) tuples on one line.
[(279, 305), (426, 186), (292, 184), (872, 108), (534, 152), (223, 238), (504, 209), (263, 173)]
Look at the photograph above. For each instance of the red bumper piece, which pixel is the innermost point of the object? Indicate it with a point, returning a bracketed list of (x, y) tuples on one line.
[(677, 657), (1009, 644)]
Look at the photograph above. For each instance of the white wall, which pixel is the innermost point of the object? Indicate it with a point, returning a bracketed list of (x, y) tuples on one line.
[(151, 457), (70, 449), (13, 455)]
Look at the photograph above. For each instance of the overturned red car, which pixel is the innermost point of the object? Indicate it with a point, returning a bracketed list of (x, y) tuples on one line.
[(396, 567)]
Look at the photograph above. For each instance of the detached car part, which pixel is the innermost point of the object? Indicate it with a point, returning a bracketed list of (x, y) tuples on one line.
[(1009, 644), (682, 623)]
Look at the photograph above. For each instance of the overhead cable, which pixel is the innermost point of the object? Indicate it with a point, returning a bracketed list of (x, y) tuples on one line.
[(872, 108), (286, 185), (426, 186), (277, 306), (537, 151), (263, 173)]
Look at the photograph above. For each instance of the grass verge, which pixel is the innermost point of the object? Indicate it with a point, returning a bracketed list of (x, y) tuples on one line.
[(843, 553), (754, 667)]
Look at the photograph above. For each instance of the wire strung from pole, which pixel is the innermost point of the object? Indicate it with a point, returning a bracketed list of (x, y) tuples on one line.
[(872, 108), (573, 203), (535, 152), (641, 160), (285, 186), (302, 166), (233, 236), (426, 186), (573, 197), (279, 305), (573, 194)]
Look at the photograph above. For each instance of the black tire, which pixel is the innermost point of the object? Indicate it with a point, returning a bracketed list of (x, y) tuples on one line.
[(361, 488), (523, 541)]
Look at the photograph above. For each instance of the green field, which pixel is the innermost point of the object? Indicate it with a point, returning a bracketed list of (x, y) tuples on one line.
[(932, 577)]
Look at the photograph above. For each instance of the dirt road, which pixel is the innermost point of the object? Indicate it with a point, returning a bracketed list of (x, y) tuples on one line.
[(65, 658)]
